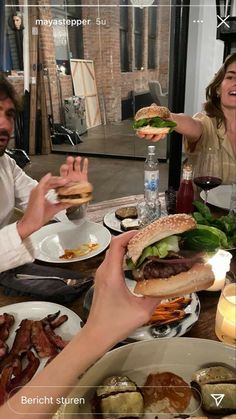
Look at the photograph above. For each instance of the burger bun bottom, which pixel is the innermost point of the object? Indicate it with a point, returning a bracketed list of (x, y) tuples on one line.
[(199, 277), (76, 201), (148, 130)]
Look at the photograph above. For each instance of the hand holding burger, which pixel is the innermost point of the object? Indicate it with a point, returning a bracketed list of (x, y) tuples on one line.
[(78, 191), (153, 122), (158, 265), (75, 193)]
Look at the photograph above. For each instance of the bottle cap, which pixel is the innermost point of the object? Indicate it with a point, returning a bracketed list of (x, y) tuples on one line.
[(187, 171), (151, 149)]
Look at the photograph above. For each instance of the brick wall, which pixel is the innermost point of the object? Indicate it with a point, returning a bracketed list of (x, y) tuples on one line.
[(102, 45)]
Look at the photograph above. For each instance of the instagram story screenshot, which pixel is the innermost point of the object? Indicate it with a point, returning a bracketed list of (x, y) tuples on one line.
[(118, 209)]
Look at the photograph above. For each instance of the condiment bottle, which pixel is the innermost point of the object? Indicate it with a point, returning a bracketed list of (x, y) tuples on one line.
[(185, 194)]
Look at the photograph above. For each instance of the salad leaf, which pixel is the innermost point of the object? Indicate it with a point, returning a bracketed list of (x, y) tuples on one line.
[(201, 240), (199, 218), (222, 237), (140, 123), (225, 223), (203, 209), (155, 122), (160, 249)]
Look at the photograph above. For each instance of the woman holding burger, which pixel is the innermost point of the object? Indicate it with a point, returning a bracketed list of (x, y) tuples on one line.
[(216, 127)]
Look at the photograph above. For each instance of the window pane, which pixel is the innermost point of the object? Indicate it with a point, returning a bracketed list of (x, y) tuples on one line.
[(138, 37), (124, 53), (152, 34), (138, 25), (124, 38), (124, 14), (152, 21)]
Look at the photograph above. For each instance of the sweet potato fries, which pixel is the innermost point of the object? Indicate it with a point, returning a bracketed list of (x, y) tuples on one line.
[(170, 311)]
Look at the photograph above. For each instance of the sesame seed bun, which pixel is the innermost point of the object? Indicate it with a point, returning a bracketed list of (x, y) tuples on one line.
[(152, 111), (199, 277), (159, 229)]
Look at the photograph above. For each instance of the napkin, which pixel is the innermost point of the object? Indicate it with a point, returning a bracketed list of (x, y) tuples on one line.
[(43, 289)]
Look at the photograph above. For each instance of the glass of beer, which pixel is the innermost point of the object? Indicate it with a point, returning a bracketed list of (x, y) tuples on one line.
[(225, 324)]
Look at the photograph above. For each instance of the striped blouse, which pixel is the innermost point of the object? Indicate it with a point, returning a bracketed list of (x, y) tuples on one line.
[(215, 138)]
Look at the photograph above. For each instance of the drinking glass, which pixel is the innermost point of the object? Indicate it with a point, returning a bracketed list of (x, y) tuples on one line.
[(208, 170), (232, 208), (148, 212), (225, 324)]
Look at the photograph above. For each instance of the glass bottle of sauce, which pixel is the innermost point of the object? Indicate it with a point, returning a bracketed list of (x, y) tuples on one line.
[(185, 194)]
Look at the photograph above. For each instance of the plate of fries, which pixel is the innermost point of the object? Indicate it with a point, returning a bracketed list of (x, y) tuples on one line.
[(173, 317)]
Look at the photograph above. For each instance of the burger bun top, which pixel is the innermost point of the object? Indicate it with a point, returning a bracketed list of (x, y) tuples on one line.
[(152, 111), (158, 230)]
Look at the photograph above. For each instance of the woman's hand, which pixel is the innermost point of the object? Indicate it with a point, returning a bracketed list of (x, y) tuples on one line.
[(158, 137), (75, 169), (39, 210), (115, 311)]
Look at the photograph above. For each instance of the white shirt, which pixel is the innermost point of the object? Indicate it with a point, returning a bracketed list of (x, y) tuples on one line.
[(13, 251), (15, 188)]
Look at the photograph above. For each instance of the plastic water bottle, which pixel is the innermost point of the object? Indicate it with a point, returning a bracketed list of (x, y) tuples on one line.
[(151, 176)]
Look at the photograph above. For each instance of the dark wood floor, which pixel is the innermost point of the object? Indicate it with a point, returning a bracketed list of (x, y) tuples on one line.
[(111, 177)]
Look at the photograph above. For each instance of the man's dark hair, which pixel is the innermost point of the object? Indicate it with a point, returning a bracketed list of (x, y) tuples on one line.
[(7, 90)]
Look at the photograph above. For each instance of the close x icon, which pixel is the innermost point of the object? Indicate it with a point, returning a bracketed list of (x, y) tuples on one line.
[(222, 21)]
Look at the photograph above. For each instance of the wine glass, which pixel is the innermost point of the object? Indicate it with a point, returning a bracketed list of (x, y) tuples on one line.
[(208, 170)]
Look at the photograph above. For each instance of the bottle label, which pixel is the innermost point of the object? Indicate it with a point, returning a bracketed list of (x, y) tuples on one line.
[(151, 180)]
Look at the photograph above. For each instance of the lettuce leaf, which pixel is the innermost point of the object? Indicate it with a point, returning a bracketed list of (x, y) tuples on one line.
[(205, 238), (160, 249), (155, 122)]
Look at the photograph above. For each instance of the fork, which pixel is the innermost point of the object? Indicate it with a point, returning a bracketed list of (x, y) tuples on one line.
[(68, 281)]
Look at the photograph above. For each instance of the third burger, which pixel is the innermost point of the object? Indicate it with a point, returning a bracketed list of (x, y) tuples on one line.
[(158, 264)]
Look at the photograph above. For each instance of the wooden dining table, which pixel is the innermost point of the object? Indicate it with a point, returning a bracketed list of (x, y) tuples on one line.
[(203, 328)]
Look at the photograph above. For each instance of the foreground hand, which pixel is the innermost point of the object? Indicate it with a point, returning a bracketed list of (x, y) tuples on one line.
[(115, 310), (75, 169), (39, 210)]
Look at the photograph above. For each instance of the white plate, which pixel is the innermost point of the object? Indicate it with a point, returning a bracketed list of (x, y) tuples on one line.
[(219, 197), (111, 221), (53, 239), (154, 332), (182, 356), (37, 310)]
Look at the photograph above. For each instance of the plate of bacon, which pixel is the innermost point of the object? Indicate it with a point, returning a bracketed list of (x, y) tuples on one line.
[(31, 335)]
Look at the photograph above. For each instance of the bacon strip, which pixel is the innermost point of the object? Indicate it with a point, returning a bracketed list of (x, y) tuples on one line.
[(55, 339), (3, 349), (6, 322), (59, 321), (41, 342), (50, 317), (22, 343), (25, 376), (4, 382), (2, 319)]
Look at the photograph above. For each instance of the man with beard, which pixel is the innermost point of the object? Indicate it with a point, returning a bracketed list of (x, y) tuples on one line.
[(15, 185)]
